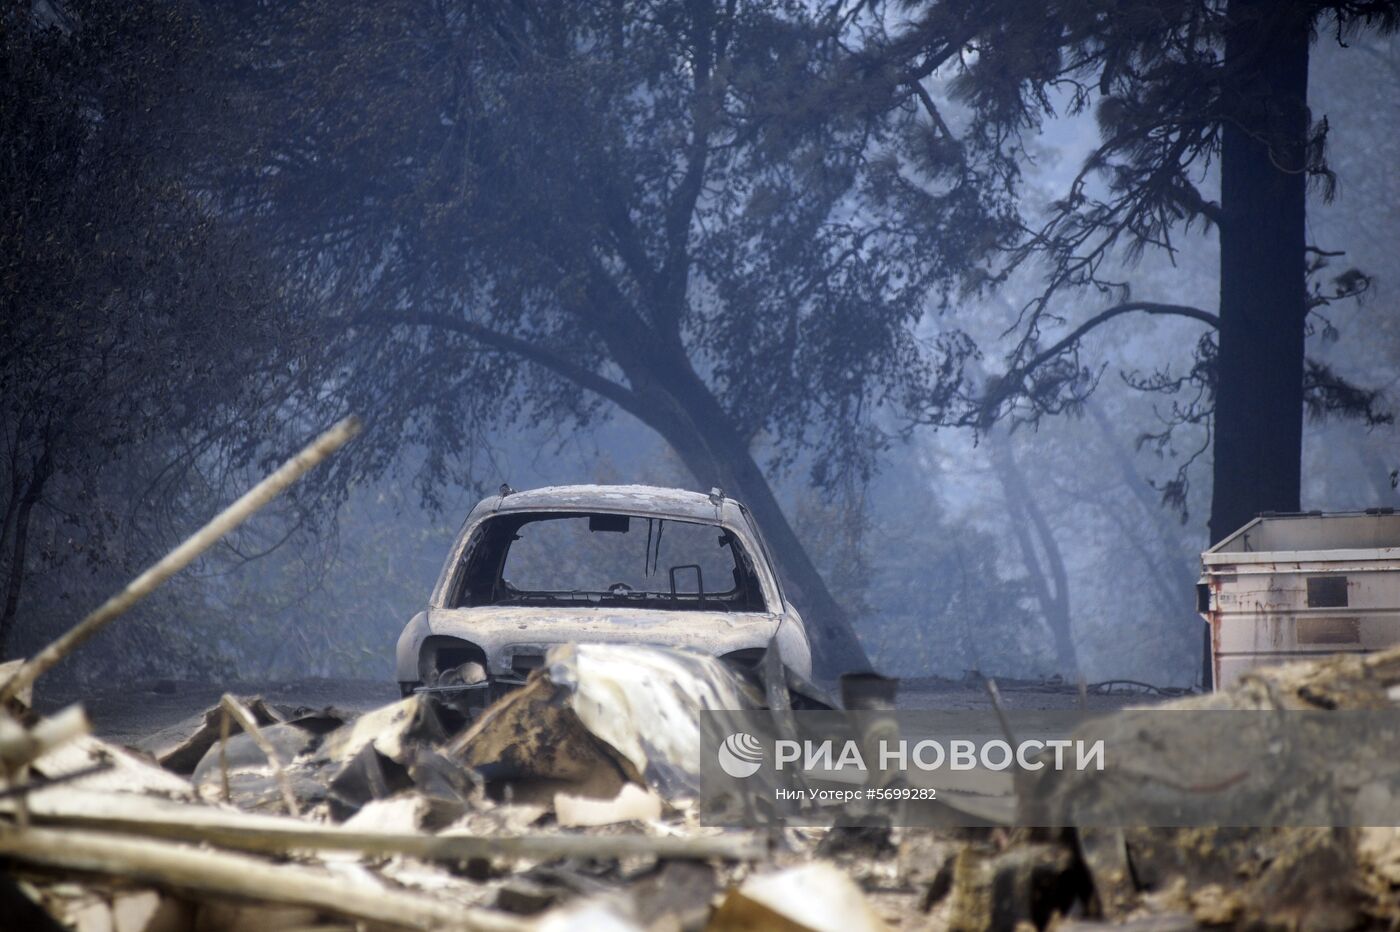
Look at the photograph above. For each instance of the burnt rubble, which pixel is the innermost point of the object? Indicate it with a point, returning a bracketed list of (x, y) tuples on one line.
[(570, 804)]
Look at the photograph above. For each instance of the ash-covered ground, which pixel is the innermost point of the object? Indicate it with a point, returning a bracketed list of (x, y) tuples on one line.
[(127, 714)]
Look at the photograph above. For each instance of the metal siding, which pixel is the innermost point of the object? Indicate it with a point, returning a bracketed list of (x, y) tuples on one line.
[(1269, 607)]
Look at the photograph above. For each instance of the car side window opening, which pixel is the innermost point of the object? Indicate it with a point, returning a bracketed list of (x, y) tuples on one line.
[(607, 559)]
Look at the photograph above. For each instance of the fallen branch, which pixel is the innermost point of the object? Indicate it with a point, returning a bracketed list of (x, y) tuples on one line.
[(232, 707), (223, 755), (270, 834), (221, 873), (140, 587), (442, 847)]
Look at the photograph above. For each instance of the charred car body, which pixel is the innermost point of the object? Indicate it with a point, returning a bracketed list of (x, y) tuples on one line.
[(592, 563)]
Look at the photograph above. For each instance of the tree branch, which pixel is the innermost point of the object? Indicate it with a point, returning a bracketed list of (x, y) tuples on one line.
[(932, 110), (1190, 198), (1145, 307), (629, 243), (585, 378), (903, 48), (680, 212), (1006, 384)]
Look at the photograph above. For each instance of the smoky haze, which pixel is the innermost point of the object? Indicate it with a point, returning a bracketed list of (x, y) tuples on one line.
[(642, 244)]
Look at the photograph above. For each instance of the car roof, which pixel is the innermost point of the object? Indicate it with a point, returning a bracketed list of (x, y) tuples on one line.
[(629, 499)]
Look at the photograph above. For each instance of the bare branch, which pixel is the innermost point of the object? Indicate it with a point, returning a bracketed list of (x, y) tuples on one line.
[(1010, 383), (1118, 310), (585, 378)]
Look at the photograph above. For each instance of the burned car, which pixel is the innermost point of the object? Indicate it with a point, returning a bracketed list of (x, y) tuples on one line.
[(595, 563)]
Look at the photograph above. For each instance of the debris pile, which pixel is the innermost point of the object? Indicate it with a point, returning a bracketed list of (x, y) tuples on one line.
[(1300, 877), (570, 804), (567, 804)]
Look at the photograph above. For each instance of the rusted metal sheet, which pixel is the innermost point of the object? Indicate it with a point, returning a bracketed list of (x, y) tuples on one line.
[(1295, 587)]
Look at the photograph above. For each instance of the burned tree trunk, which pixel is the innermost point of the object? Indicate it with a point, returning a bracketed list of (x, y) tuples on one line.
[(686, 414), (19, 545), (1263, 297), (1263, 293), (1040, 553)]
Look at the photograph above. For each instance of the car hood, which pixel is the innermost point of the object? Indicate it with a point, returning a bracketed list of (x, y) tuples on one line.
[(501, 630)]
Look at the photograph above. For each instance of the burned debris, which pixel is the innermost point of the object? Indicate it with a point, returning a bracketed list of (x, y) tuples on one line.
[(571, 804), (386, 817)]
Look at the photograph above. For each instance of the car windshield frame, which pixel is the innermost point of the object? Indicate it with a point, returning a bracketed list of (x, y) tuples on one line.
[(481, 579)]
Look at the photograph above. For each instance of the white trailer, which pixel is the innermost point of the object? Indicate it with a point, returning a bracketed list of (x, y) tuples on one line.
[(1298, 587)]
